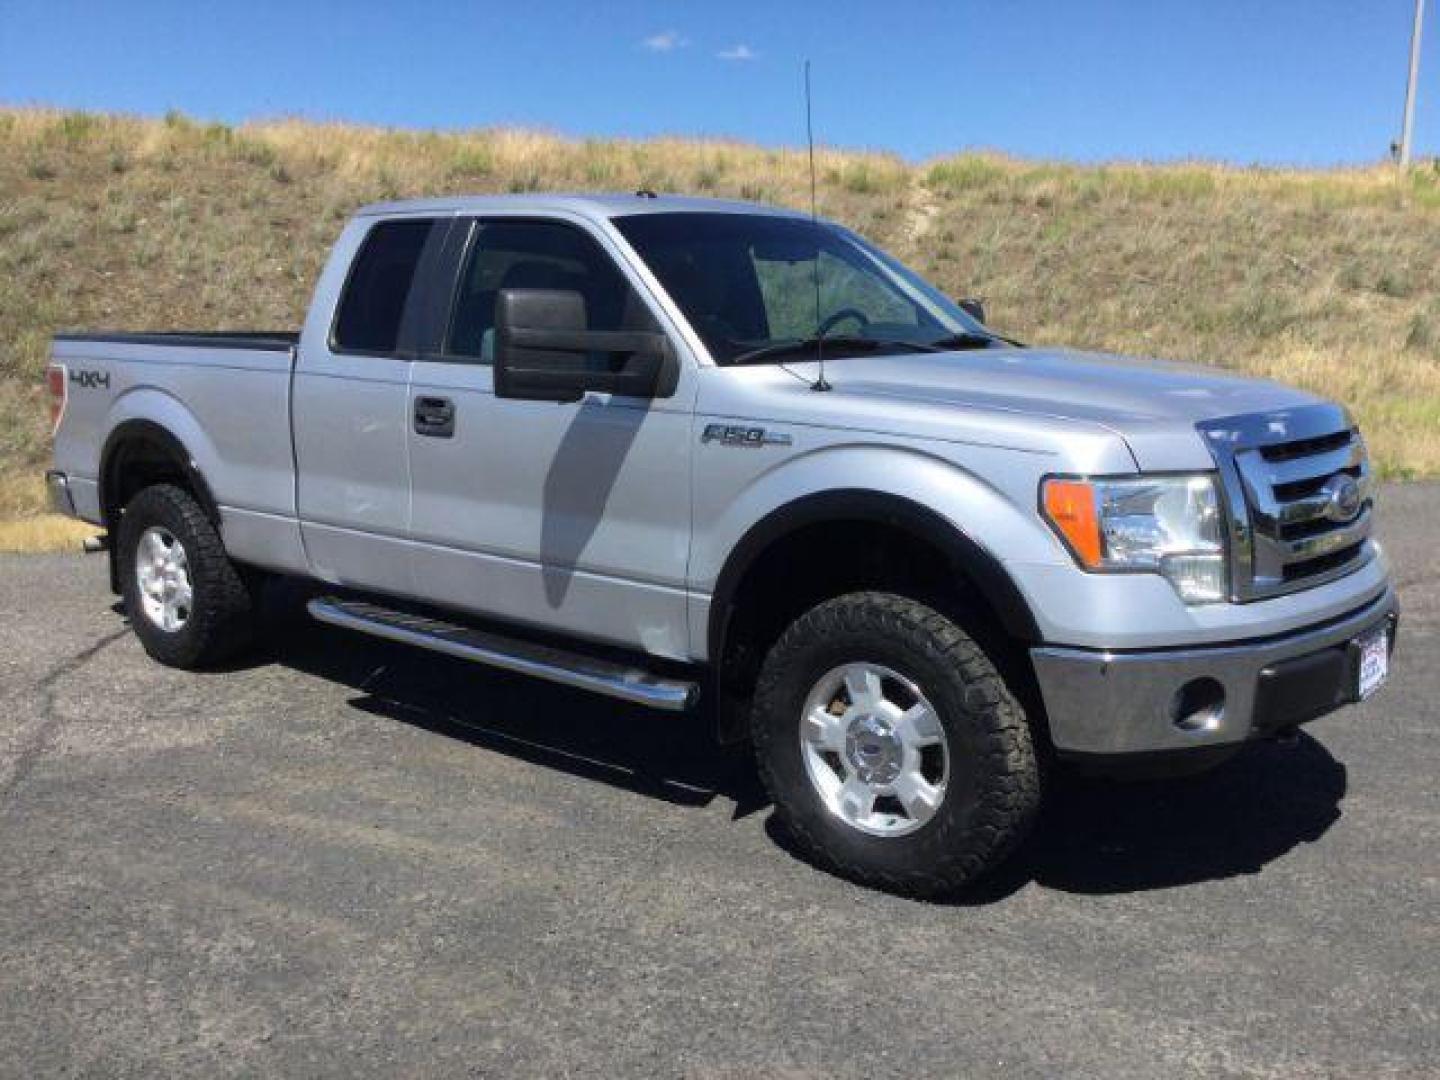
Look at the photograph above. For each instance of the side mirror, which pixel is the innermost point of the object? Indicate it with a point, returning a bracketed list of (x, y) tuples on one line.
[(974, 307), (543, 351)]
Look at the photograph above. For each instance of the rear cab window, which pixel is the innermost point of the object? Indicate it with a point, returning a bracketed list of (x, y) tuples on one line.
[(369, 316), (537, 254)]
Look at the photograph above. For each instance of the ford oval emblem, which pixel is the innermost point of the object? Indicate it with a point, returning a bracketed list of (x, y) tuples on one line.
[(1343, 495)]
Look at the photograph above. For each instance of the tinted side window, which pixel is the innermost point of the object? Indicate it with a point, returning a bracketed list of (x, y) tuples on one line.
[(537, 255), (379, 285)]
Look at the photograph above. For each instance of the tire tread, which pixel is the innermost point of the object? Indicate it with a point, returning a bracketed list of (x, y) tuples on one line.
[(1009, 800), (222, 615)]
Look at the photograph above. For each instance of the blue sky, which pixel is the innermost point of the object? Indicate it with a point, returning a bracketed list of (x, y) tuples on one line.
[(1276, 81)]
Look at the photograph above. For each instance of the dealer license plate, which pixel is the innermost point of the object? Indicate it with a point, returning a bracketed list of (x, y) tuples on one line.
[(1374, 666)]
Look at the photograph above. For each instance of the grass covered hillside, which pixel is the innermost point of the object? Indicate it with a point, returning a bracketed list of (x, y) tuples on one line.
[(1326, 279)]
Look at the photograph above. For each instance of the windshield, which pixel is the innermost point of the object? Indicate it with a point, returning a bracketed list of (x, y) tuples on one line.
[(747, 282)]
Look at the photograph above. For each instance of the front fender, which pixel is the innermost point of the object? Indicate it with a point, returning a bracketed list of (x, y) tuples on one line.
[(946, 504)]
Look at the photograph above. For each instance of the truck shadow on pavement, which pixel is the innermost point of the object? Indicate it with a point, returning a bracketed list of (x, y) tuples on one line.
[(1107, 836), (1095, 836)]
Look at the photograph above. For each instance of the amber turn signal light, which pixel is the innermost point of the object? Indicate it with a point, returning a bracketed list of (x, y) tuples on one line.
[(1070, 507)]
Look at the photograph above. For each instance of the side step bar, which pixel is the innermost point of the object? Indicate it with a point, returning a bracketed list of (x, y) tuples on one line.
[(571, 669)]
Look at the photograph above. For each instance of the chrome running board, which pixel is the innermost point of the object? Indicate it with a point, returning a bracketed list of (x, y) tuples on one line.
[(527, 658)]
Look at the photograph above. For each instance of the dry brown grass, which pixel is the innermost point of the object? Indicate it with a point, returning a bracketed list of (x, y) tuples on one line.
[(23, 527), (43, 533), (1326, 279), (46, 532)]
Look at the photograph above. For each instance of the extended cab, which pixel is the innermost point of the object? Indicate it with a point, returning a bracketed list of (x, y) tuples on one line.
[(681, 451)]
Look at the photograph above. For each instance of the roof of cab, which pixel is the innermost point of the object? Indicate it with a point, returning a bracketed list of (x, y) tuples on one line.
[(586, 205)]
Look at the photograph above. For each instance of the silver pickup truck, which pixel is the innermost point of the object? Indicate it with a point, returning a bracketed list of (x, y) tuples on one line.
[(688, 452)]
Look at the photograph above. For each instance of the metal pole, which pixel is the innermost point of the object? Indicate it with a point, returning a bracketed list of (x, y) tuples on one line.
[(1409, 127)]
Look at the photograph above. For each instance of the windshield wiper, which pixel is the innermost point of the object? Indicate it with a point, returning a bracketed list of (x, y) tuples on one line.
[(850, 344), (970, 340), (963, 340)]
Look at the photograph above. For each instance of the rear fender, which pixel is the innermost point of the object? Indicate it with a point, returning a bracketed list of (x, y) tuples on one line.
[(163, 425), (162, 420)]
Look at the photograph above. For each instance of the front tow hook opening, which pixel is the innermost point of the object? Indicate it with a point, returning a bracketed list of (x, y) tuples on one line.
[(1198, 706)]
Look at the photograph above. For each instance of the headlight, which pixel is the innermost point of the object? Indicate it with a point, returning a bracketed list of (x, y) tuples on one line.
[(1169, 525)]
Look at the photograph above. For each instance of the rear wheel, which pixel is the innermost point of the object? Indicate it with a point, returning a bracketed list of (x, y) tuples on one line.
[(188, 603), (894, 751)]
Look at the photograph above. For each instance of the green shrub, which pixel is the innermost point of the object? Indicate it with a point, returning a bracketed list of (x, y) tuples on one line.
[(964, 173), (471, 161), (76, 127)]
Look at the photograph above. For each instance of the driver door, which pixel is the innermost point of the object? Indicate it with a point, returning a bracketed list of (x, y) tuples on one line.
[(571, 517)]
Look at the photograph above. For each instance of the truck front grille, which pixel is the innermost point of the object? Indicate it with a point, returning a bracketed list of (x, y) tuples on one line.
[(1299, 495)]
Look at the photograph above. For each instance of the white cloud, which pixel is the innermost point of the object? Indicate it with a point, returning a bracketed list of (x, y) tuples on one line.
[(665, 41), (738, 52)]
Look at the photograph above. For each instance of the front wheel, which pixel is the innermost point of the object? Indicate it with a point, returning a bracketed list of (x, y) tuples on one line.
[(894, 751)]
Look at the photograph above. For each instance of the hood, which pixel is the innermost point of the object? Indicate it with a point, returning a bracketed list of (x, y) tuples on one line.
[(1153, 405)]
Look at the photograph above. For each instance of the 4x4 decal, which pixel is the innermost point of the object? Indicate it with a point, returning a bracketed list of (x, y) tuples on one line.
[(90, 380)]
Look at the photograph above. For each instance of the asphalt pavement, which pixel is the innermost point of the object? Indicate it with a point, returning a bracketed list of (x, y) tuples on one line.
[(347, 858)]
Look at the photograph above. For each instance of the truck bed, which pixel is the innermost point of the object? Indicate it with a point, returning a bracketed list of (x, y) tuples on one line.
[(206, 339), (225, 396)]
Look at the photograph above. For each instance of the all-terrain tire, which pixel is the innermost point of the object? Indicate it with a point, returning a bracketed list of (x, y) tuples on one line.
[(992, 794), (220, 621)]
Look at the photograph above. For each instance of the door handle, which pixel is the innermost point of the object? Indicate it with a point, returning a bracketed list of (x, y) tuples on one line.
[(435, 416)]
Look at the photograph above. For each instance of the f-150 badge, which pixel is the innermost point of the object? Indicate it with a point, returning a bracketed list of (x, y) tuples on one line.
[(738, 435)]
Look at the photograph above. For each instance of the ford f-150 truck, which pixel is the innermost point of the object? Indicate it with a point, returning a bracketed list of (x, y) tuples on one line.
[(685, 451)]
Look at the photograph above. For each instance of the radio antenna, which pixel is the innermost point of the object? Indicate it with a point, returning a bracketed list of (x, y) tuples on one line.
[(819, 383)]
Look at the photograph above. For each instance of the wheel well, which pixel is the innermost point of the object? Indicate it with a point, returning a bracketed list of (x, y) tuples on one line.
[(137, 455), (819, 559)]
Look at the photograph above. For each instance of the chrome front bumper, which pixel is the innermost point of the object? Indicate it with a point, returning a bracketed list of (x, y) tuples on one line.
[(1114, 703), (61, 501)]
